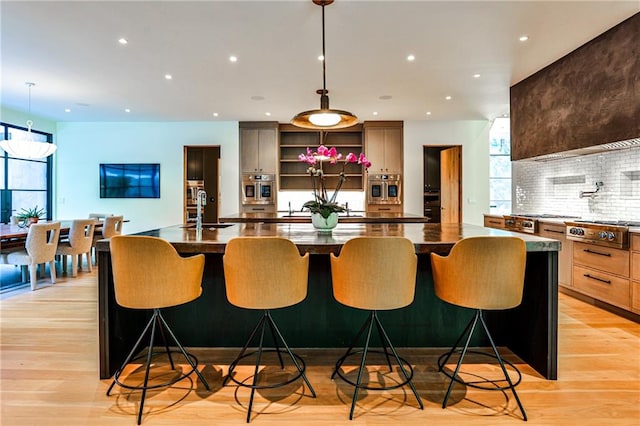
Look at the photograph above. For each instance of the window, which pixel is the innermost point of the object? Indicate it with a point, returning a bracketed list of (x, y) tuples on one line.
[(25, 183), (500, 167)]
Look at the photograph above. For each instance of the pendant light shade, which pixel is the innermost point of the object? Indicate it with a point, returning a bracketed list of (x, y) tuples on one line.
[(325, 117), (29, 148)]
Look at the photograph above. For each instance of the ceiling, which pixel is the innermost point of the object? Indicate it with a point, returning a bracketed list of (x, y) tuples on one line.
[(71, 51)]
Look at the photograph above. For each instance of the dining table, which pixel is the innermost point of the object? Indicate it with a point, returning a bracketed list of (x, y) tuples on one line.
[(13, 236)]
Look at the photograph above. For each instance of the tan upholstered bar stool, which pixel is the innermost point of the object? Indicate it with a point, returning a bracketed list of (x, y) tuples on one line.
[(375, 274), (481, 273), (79, 243), (148, 273), (265, 273)]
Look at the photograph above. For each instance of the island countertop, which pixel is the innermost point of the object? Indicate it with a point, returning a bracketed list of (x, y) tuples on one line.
[(426, 237), (305, 217)]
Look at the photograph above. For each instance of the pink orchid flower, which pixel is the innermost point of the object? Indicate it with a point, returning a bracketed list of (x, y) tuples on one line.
[(351, 158)]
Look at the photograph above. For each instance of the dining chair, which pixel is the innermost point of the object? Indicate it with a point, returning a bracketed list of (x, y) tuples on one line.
[(40, 248), (79, 243), (111, 225)]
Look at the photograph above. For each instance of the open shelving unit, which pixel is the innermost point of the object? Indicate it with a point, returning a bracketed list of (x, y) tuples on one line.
[(294, 141)]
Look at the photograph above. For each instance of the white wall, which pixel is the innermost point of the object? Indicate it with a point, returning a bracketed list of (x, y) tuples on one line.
[(473, 135), (83, 146)]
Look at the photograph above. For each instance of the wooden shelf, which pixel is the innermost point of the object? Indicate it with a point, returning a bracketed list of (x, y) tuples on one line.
[(295, 141)]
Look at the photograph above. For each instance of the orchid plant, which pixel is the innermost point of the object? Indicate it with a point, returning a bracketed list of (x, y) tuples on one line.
[(322, 203)]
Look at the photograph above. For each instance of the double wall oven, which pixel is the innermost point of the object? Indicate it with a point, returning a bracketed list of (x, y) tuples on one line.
[(384, 188), (258, 189)]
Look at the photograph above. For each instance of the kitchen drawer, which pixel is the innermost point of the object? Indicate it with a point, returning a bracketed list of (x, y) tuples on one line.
[(494, 222), (615, 261), (635, 296), (602, 286), (635, 266), (635, 241)]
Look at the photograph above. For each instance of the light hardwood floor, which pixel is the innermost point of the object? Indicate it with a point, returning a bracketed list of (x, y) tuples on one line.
[(49, 376)]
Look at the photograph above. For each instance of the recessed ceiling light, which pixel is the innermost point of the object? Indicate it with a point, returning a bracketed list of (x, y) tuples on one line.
[(428, 112), (168, 76), (448, 98), (411, 58), (321, 58), (476, 76), (215, 114), (127, 110), (385, 97), (67, 110), (257, 98), (268, 114), (123, 40), (524, 37), (375, 112), (233, 58)]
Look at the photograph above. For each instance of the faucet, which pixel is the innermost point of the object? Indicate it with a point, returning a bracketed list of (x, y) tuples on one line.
[(202, 201), (346, 207), (290, 211), (591, 194)]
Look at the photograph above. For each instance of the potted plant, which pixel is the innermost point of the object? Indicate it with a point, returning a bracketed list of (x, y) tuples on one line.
[(28, 216)]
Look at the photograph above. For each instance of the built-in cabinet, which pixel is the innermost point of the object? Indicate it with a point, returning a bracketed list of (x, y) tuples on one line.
[(259, 147), (635, 272), (556, 231), (602, 273), (383, 144), (295, 140)]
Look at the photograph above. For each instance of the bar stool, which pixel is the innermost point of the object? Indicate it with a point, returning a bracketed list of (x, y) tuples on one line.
[(481, 273), (265, 273), (148, 273), (375, 273)]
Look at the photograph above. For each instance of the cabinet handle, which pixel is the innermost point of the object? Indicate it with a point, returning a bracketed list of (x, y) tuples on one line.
[(597, 252), (384, 208), (494, 222), (553, 230), (598, 279)]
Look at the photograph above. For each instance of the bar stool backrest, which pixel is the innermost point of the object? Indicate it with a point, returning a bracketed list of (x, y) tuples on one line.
[(375, 273), (481, 272), (148, 273), (264, 272)]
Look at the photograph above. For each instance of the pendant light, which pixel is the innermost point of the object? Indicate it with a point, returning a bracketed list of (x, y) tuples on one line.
[(325, 117), (29, 148)]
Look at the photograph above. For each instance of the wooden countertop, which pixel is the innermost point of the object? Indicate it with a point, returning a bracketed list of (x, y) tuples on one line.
[(426, 237), (305, 217)]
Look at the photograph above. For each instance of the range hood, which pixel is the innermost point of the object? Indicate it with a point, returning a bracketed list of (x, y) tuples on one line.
[(608, 147)]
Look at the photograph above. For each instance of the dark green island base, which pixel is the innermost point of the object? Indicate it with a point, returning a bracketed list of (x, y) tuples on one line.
[(529, 331)]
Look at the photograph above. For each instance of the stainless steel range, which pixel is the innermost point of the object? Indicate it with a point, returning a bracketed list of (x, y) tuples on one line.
[(528, 223), (601, 232)]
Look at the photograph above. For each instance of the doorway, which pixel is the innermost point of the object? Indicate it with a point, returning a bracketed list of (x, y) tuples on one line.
[(442, 178), (201, 172)]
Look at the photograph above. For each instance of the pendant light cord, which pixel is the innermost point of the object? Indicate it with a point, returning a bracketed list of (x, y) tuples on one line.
[(324, 58), (29, 122)]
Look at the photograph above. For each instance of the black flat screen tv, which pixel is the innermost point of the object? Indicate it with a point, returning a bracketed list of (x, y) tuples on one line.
[(129, 180)]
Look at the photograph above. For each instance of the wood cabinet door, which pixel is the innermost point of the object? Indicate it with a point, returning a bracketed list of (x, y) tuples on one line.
[(249, 150), (393, 150), (565, 255), (450, 191), (383, 147), (267, 150), (374, 149)]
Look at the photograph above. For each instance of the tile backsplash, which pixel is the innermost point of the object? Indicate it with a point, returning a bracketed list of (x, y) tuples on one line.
[(554, 187)]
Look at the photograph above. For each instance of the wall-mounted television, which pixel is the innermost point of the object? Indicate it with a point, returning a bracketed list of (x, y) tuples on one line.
[(129, 180)]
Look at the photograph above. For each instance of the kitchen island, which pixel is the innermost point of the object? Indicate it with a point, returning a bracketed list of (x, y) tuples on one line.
[(530, 330)]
